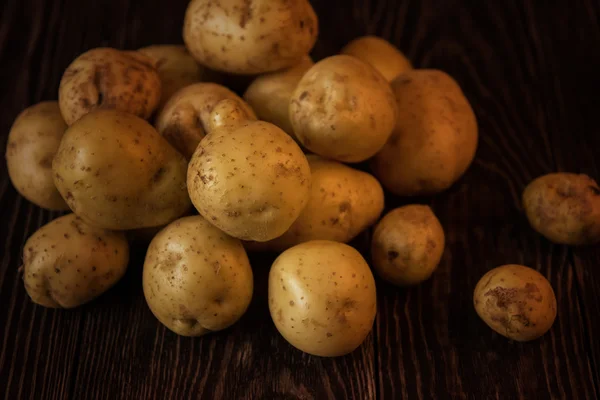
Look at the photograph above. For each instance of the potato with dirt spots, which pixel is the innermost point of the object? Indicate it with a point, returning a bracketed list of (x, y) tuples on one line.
[(564, 208), (249, 37), (67, 262), (248, 178), (516, 301), (322, 297), (109, 79), (196, 278), (269, 94), (343, 109), (407, 245), (381, 54), (343, 202), (116, 172), (184, 120), (32, 143), (435, 137)]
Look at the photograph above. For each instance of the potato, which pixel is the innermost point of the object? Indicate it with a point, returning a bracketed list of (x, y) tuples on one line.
[(196, 279), (110, 79), (184, 119), (249, 37), (407, 245), (343, 109), (67, 262), (343, 202), (176, 68), (516, 301), (269, 94), (249, 179), (116, 172), (564, 208), (435, 137), (32, 143), (322, 297), (380, 53)]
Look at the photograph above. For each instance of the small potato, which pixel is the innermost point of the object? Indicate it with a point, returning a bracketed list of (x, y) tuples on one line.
[(176, 68), (322, 297), (116, 172), (564, 208), (516, 301), (67, 262), (407, 245), (343, 202), (269, 94), (184, 119), (110, 79), (435, 137), (196, 279), (343, 109), (32, 143), (249, 37), (380, 53)]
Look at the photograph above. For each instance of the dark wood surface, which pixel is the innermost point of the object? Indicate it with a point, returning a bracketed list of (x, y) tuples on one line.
[(530, 69)]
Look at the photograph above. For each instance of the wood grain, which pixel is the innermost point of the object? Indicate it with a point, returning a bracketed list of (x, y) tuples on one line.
[(529, 70)]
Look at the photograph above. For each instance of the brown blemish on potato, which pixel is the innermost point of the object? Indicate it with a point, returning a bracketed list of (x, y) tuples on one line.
[(292, 303), (246, 13), (392, 255)]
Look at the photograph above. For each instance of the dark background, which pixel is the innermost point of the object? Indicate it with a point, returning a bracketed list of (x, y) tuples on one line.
[(530, 69)]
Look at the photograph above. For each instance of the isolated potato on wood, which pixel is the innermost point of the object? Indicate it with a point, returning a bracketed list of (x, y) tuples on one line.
[(110, 79), (32, 143), (380, 53)]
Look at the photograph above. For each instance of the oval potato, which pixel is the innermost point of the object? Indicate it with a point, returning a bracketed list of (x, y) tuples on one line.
[(379, 53)]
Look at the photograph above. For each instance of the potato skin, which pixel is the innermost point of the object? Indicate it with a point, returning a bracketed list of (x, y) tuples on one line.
[(109, 79), (322, 297), (249, 37), (407, 245), (196, 279), (32, 143), (516, 301), (269, 94), (435, 137), (184, 119), (564, 208), (67, 262), (343, 202), (251, 181), (116, 172), (343, 109), (379, 53)]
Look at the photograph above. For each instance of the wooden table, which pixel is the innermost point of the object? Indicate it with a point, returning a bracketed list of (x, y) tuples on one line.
[(531, 73)]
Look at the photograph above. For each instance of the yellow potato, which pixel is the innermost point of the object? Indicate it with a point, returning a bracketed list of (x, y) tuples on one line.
[(67, 262), (516, 301), (32, 143), (322, 297), (196, 278), (380, 53), (435, 137), (407, 245)]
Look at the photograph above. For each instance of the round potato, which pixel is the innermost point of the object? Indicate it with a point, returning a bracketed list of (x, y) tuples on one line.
[(435, 138), (32, 143), (116, 172), (269, 95), (111, 79), (322, 297), (67, 262), (516, 301), (380, 53), (564, 208), (250, 37), (407, 245), (343, 202), (184, 119), (196, 278), (343, 109)]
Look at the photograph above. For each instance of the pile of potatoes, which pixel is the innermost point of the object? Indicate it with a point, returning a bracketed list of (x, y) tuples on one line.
[(150, 143)]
